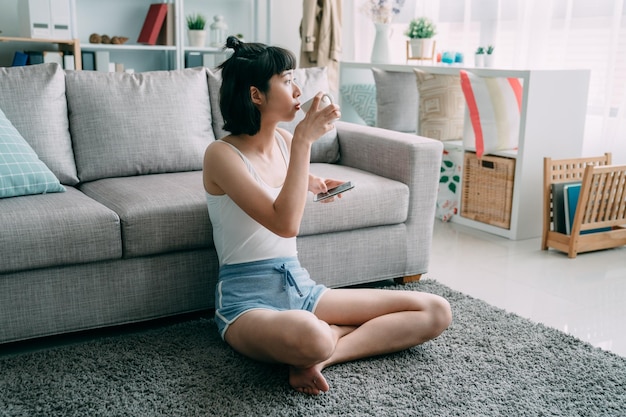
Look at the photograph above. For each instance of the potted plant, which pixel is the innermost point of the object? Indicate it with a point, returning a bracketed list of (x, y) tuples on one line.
[(420, 33), (196, 32), (479, 57)]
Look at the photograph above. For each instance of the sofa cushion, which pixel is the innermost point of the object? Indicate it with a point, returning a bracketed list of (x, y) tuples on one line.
[(384, 201), (159, 213), (494, 105), (396, 100), (441, 105), (362, 97), (312, 81), (215, 82), (21, 171), (33, 99), (134, 124), (56, 229)]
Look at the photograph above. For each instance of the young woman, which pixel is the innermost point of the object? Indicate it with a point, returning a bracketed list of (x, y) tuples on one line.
[(257, 180)]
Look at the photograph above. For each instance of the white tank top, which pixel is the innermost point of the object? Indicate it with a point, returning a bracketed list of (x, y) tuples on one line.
[(238, 238)]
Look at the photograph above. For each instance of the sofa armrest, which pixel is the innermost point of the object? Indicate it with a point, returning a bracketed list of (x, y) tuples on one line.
[(408, 158)]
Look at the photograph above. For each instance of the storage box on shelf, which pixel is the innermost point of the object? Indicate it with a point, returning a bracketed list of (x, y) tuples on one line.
[(601, 204), (487, 191)]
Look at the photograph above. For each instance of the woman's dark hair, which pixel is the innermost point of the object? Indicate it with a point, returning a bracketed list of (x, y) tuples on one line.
[(251, 64)]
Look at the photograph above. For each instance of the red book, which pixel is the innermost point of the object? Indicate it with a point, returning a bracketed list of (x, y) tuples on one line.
[(152, 25)]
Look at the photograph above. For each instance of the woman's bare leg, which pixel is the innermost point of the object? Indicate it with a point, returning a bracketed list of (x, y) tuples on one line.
[(350, 324), (388, 320), (297, 338)]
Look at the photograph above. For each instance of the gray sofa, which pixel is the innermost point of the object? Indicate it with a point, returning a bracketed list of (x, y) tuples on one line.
[(130, 239)]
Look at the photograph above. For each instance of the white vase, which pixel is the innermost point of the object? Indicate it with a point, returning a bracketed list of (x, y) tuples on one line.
[(479, 60), (197, 38), (380, 50), (490, 61)]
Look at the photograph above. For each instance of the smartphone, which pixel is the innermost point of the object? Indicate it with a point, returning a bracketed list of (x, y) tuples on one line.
[(341, 188)]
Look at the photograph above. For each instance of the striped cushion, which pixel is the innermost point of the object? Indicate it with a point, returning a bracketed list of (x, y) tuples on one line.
[(21, 170), (494, 110)]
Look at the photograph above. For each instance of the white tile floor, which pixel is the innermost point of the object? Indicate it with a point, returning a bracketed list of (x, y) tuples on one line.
[(584, 297)]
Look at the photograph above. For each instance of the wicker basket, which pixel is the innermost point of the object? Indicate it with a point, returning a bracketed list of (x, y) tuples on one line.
[(487, 189)]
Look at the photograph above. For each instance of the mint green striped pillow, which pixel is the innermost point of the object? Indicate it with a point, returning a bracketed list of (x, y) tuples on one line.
[(21, 170)]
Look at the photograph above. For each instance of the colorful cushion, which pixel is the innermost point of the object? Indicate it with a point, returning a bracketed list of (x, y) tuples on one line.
[(362, 97), (21, 170), (494, 106), (396, 100), (449, 184), (441, 105)]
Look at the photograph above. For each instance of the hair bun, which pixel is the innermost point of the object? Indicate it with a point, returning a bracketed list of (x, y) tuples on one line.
[(234, 43)]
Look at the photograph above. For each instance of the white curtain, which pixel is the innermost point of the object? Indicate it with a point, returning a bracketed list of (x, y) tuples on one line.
[(528, 34)]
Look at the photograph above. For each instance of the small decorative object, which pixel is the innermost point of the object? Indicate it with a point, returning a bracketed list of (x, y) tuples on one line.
[(218, 31), (447, 57), (489, 58), (119, 40), (381, 13), (458, 58), (115, 40), (420, 33), (196, 32), (479, 57)]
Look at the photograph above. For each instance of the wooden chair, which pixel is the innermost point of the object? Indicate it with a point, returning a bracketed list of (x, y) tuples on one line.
[(601, 204)]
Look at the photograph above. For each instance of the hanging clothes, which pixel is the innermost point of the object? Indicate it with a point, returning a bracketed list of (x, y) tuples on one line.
[(320, 34)]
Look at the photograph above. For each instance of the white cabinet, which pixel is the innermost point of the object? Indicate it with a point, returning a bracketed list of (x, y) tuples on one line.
[(554, 107)]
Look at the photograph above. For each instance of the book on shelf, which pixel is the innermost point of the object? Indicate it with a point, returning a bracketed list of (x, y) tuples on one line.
[(153, 23), (35, 57), (19, 59), (193, 59), (89, 60), (167, 33), (571, 193), (68, 62), (558, 206), (102, 61)]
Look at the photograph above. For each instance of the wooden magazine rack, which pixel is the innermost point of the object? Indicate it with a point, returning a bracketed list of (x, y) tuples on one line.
[(601, 204)]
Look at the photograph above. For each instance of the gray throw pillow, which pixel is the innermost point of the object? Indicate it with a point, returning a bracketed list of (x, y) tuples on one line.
[(143, 123), (312, 81), (396, 100), (215, 82), (33, 98)]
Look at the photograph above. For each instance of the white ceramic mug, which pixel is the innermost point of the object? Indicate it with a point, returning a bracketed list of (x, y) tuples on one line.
[(325, 101)]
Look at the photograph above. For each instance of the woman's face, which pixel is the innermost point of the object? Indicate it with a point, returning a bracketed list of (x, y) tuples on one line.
[(282, 97)]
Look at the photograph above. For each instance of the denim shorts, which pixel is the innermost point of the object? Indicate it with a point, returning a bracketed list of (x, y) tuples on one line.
[(274, 284)]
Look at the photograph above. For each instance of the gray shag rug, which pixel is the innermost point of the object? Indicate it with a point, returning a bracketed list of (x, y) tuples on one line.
[(488, 363)]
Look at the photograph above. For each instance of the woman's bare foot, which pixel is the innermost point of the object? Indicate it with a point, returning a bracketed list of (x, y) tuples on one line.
[(308, 380)]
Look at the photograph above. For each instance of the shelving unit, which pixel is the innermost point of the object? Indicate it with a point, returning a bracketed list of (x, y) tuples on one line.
[(552, 121), (73, 45), (124, 18)]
